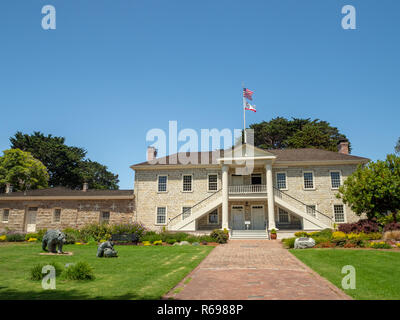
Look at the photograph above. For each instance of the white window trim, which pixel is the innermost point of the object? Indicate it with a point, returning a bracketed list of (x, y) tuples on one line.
[(313, 176), (54, 210), (289, 216), (208, 217), (2, 215), (166, 189), (187, 174), (208, 182), (166, 216), (340, 179), (286, 182), (344, 212)]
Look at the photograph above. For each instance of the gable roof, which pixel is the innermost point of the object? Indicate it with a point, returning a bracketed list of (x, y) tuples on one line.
[(64, 193), (282, 156)]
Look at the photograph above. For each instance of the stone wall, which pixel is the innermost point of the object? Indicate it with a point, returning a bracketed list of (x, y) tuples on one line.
[(74, 213)]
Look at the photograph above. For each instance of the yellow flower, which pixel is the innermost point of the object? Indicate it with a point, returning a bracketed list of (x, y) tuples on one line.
[(3, 237), (32, 239), (338, 234), (78, 243)]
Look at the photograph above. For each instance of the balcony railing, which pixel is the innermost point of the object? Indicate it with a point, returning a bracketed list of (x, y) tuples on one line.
[(246, 189)]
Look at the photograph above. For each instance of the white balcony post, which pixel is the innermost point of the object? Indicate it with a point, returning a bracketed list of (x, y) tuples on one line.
[(270, 195), (225, 187)]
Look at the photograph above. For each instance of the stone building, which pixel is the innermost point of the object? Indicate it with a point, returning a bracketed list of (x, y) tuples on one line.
[(247, 190), (59, 208)]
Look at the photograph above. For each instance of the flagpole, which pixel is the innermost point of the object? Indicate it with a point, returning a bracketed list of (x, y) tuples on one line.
[(244, 114)]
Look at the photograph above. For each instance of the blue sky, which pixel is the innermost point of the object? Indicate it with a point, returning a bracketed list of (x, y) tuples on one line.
[(112, 70)]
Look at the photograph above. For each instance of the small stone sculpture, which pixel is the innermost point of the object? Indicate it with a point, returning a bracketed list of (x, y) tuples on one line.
[(106, 249), (304, 243), (53, 240)]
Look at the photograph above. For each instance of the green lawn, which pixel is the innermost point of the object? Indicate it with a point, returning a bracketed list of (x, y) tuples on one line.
[(377, 272), (138, 273)]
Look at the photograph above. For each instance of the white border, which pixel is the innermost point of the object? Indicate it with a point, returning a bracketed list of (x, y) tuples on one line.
[(286, 180), (313, 176), (166, 216), (166, 186), (187, 174), (340, 179), (208, 182), (344, 212)]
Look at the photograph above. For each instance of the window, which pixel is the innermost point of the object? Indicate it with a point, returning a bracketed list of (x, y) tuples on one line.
[(335, 179), (256, 178), (338, 211), (186, 211), (212, 182), (283, 216), (310, 209), (104, 217), (213, 217), (6, 214), (161, 215), (162, 183), (187, 183), (57, 215), (308, 180), (281, 180)]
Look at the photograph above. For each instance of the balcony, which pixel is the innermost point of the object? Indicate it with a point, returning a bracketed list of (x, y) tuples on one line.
[(252, 191)]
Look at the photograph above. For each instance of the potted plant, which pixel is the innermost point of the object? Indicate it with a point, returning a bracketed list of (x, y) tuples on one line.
[(273, 234)]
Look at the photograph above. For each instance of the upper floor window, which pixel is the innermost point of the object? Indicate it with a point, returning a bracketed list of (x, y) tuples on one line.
[(186, 211), (162, 183), (6, 214), (104, 217), (187, 182), (57, 215), (338, 210), (213, 217), (212, 182), (335, 179), (310, 209), (281, 180), (308, 180), (161, 215)]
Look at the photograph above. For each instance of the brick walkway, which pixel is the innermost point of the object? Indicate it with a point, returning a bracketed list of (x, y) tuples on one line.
[(254, 269)]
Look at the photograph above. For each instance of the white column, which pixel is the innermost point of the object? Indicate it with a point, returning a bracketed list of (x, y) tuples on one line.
[(225, 224), (271, 202)]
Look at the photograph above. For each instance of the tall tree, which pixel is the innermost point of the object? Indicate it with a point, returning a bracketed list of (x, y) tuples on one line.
[(22, 171), (281, 133), (374, 189), (67, 165)]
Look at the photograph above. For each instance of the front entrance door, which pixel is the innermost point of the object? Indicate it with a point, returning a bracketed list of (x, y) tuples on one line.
[(237, 218), (257, 218), (31, 220)]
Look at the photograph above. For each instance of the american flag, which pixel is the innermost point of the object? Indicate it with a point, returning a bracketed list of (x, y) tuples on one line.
[(247, 93)]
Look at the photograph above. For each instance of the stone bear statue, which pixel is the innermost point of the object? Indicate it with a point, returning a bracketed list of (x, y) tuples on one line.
[(106, 249), (53, 239)]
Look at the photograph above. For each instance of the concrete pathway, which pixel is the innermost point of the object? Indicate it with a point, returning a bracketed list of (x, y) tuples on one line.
[(254, 269)]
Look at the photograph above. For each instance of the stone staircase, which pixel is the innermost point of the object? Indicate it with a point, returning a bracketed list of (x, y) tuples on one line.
[(248, 235)]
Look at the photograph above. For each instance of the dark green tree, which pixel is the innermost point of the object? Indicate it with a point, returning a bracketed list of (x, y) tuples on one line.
[(281, 133), (67, 165)]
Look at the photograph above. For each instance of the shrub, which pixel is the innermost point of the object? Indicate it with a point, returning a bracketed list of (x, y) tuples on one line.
[(219, 236), (171, 241), (323, 234), (31, 235), (206, 238), (192, 239), (80, 271), (364, 225), (181, 236), (36, 271), (325, 244), (338, 235), (392, 235), (289, 242), (3, 238), (40, 234), (380, 245), (146, 243), (13, 236), (151, 237), (392, 226), (373, 236), (157, 243), (302, 234), (71, 235), (339, 242), (319, 240), (129, 228), (97, 231)]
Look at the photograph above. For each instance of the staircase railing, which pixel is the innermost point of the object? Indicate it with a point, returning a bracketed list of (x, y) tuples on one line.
[(304, 207), (198, 205)]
